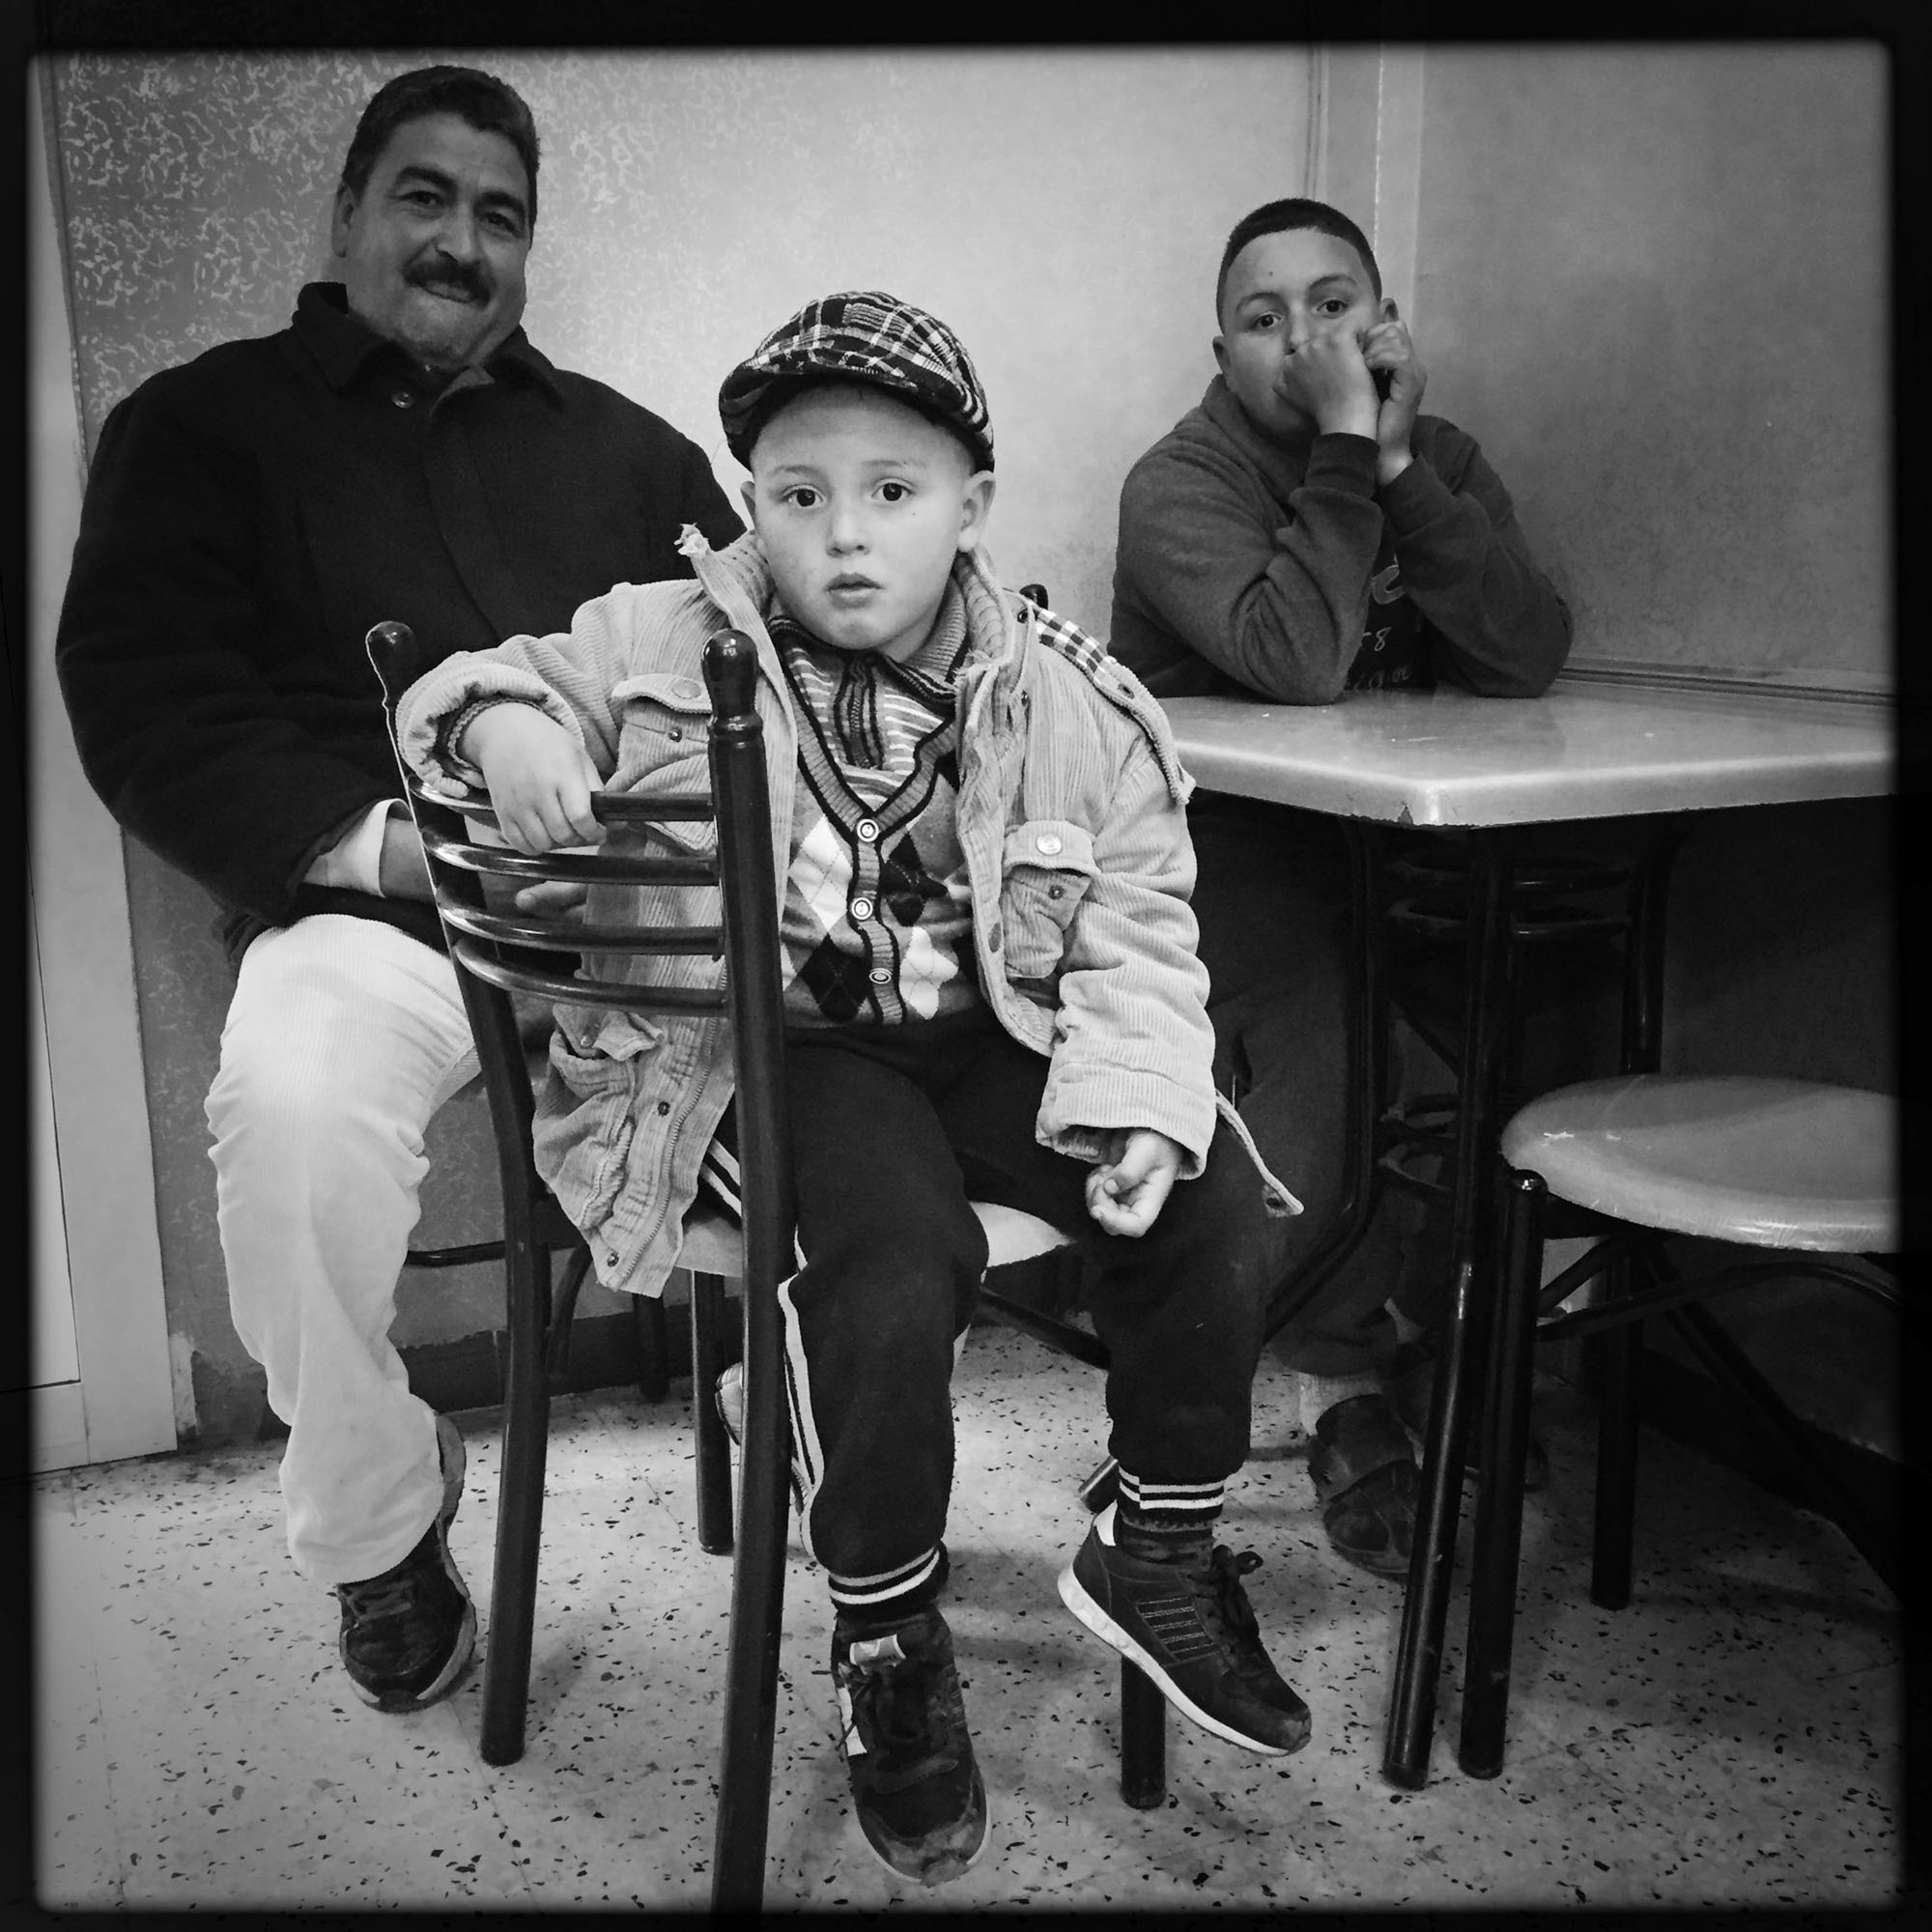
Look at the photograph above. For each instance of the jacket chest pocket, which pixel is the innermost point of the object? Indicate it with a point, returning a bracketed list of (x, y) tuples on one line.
[(1046, 867), (664, 744)]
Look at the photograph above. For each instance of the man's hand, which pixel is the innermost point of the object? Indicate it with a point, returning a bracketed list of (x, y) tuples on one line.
[(1388, 346), (402, 871), (1332, 382), (1126, 1191), (554, 898), (539, 778)]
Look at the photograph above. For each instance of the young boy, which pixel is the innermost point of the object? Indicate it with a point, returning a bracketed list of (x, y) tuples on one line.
[(1303, 534), (992, 991)]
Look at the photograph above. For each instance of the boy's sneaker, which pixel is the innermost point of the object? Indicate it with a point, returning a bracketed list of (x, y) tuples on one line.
[(407, 1635), (1190, 1629), (921, 1801)]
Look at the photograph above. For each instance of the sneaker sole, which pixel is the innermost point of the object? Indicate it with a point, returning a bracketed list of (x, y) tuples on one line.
[(449, 1447), (1074, 1594), (956, 1872)]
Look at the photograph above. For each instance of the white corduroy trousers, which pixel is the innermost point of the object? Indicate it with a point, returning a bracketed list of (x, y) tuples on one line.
[(344, 1037)]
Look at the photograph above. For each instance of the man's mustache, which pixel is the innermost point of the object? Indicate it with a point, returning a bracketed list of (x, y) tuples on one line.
[(452, 279)]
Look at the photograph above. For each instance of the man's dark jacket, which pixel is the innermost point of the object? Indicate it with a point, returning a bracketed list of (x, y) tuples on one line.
[(250, 514)]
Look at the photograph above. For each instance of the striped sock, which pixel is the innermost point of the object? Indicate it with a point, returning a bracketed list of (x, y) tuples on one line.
[(878, 1602), (1167, 1522)]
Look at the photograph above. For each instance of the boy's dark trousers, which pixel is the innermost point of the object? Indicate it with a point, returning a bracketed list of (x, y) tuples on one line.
[(894, 1129)]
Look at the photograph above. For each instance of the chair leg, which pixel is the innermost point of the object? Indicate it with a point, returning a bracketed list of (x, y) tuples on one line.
[(1505, 1440), (710, 1351), (1143, 1740), (757, 1604), (1622, 1363), (513, 1589), (653, 1348)]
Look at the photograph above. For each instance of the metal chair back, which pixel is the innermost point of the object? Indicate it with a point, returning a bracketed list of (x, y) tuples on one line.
[(499, 951)]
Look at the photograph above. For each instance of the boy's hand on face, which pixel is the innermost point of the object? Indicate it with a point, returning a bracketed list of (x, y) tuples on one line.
[(1334, 384), (538, 777), (1126, 1191), (1388, 346)]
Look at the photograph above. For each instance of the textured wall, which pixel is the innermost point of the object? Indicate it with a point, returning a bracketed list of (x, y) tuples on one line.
[(1064, 212), (1653, 281)]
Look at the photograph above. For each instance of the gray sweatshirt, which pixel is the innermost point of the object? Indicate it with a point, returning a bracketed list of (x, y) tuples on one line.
[(1280, 569)]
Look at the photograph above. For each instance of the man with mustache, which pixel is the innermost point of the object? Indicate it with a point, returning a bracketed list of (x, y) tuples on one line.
[(401, 450)]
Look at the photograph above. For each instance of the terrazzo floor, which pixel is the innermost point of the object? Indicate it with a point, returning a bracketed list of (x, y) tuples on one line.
[(1732, 1739)]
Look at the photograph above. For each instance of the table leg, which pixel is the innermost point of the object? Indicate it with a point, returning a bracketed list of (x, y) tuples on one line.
[(1488, 1001)]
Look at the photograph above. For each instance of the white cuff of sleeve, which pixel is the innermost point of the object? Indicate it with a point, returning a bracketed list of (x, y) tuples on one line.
[(355, 861)]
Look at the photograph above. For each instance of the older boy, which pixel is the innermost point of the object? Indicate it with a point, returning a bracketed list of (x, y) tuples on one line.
[(1306, 532), (990, 979)]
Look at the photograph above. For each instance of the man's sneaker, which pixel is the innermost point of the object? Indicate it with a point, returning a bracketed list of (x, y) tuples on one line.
[(407, 1635), (729, 1396), (1190, 1629), (921, 1801)]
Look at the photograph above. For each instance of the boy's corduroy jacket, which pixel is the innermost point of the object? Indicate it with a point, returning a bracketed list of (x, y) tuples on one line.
[(1072, 816)]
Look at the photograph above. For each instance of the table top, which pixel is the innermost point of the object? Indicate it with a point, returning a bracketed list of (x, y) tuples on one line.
[(1585, 750)]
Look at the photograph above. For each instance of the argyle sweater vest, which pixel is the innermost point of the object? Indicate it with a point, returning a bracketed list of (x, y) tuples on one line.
[(877, 927)]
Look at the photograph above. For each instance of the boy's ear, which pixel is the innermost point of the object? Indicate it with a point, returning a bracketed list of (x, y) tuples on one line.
[(1221, 354), (749, 493), (976, 505), (1389, 311)]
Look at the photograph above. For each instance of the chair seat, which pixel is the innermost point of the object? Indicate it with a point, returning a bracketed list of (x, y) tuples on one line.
[(1767, 1163), (712, 1244)]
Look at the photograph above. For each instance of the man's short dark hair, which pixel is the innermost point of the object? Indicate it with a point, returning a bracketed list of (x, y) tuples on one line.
[(490, 105), (1281, 218)]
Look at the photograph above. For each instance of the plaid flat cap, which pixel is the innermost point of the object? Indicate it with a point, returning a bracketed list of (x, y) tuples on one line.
[(864, 336)]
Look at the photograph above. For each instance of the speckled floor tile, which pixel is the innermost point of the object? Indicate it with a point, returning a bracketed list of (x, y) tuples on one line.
[(1733, 1738)]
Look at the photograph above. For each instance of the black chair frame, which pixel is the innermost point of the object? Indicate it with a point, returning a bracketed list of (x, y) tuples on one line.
[(490, 948), (1640, 1279)]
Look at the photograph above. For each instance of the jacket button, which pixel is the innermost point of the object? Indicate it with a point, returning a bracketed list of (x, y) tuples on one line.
[(674, 734), (993, 938), (664, 1106), (867, 829), (1048, 842), (404, 400), (862, 908)]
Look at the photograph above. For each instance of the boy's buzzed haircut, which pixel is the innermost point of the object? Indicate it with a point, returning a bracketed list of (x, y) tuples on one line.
[(1279, 217), (490, 105)]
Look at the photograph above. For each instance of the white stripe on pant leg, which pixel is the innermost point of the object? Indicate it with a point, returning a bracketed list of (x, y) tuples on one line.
[(343, 1037), (808, 1451)]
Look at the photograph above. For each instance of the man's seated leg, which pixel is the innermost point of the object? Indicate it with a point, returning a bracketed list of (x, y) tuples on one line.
[(343, 1037)]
